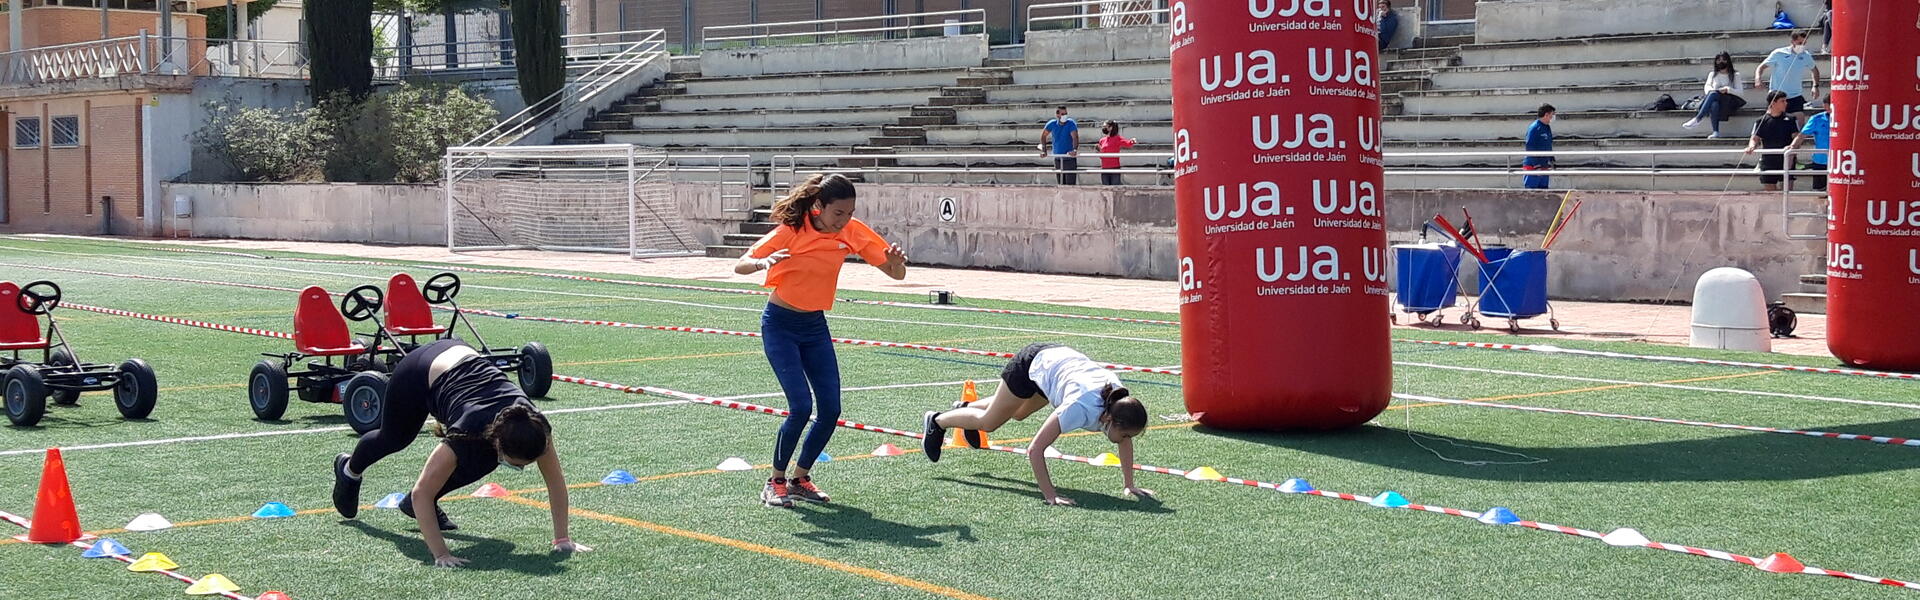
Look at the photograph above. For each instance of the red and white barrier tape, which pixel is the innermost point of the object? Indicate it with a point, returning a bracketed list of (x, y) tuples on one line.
[(180, 321), (1676, 359), (23, 522), (1878, 439)]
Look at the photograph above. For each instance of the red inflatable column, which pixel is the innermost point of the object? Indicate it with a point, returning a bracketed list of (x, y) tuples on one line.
[(1276, 116), (1873, 238)]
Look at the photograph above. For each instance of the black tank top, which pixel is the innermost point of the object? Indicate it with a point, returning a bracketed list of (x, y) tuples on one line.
[(468, 396)]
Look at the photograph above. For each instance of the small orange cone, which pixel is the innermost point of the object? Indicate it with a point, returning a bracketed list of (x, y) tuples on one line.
[(969, 395), (491, 490), (54, 519), (273, 595), (888, 450), (1780, 562)]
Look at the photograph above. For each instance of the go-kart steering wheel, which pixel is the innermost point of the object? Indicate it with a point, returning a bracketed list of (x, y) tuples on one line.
[(37, 299), (362, 302), (442, 288)]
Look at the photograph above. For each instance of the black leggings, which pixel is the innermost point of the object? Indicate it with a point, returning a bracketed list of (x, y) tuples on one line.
[(406, 411)]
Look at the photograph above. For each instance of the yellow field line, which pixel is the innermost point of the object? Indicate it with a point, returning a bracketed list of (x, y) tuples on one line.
[(881, 576)]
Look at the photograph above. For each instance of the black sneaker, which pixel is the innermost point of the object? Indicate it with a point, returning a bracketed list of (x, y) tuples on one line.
[(935, 436), (975, 438), (446, 524), (346, 488)]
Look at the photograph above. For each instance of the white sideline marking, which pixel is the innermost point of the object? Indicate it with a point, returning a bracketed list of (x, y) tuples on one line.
[(1690, 388)]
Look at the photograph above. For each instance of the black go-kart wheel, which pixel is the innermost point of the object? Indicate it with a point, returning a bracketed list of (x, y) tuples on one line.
[(25, 394), (536, 370), (267, 390), (63, 358), (362, 401), (137, 389)]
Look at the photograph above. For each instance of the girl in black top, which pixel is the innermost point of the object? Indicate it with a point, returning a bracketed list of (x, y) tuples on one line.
[(488, 422)]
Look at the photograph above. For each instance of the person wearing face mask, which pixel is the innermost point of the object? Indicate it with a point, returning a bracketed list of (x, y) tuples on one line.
[(1790, 67), (1062, 138), (486, 423), (1722, 95), (802, 258)]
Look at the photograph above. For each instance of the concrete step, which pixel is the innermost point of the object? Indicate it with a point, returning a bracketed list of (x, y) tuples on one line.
[(1396, 181), (743, 136), (1093, 72), (1581, 73), (1013, 156), (1815, 279), (1150, 132), (1565, 98), (924, 121), (1727, 160), (1569, 124), (968, 92), (1125, 89), (983, 80), (807, 117), (1805, 303), (1427, 53), (1627, 47), (1446, 41), (726, 251), (896, 140), (893, 97), (933, 111), (1088, 114), (751, 228), (1430, 62), (907, 130), (817, 82), (739, 239)]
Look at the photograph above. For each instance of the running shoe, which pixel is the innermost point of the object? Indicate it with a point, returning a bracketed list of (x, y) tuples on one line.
[(803, 488), (936, 436), (446, 524), (775, 494), (346, 488)]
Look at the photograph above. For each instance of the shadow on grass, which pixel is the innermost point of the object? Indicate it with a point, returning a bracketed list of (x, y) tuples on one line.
[(840, 525), (1741, 457), (1082, 499), (483, 554)]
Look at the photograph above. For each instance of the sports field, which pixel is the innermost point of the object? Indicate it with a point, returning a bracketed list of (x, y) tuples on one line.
[(971, 526)]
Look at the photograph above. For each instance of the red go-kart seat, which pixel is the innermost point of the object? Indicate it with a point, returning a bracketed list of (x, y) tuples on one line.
[(19, 330), (407, 311), (318, 328)]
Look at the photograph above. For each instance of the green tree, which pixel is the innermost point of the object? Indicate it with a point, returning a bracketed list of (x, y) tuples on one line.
[(340, 46), (538, 57)]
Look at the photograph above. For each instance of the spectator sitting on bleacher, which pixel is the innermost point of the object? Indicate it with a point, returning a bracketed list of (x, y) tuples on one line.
[(1818, 129), (1774, 130), (1386, 22), (1063, 135), (1539, 139), (1722, 95), (1790, 66)]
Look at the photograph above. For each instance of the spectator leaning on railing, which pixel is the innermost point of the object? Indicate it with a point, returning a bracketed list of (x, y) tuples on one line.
[(1790, 65), (1112, 143), (1774, 130), (1818, 128), (1063, 135)]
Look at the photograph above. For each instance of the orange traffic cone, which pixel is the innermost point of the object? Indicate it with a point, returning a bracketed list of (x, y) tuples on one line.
[(54, 519), (968, 395)]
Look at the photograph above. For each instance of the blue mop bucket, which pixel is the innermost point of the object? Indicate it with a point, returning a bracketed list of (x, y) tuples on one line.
[(1513, 284), (1427, 276)]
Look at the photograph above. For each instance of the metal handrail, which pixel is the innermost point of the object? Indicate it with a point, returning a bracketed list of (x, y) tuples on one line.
[(582, 88), (1159, 11), (718, 33)]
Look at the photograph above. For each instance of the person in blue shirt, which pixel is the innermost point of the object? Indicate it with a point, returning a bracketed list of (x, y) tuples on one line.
[(1389, 22), (1817, 129), (1790, 67), (1539, 139), (1063, 135)]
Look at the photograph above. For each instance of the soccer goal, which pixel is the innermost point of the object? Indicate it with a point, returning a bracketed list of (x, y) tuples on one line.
[(598, 198)]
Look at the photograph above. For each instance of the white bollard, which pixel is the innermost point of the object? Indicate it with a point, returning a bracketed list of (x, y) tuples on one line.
[(1730, 312)]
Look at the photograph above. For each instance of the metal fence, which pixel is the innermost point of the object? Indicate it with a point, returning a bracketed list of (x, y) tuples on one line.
[(950, 23), (1087, 14)]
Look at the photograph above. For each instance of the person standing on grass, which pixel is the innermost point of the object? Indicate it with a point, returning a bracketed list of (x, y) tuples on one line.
[(1061, 140), (1084, 396), (802, 257), (1111, 143), (1790, 66), (487, 422), (1539, 139), (1773, 131)]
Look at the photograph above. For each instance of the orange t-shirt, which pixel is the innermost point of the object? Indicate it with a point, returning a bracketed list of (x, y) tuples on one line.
[(810, 275)]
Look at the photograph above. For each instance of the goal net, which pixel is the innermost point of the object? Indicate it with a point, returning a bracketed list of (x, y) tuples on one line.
[(603, 198)]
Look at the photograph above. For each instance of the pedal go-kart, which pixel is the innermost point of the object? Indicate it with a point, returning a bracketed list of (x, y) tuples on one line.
[(26, 385), (409, 310), (344, 373)]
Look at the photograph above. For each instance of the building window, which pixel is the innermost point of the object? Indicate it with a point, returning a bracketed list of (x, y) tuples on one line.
[(26, 132), (66, 132)]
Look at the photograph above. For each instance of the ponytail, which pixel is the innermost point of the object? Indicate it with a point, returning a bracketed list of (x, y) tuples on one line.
[(1122, 410), (520, 432), (817, 191)]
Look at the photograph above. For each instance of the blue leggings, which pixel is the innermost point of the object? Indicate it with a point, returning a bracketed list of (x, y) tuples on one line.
[(800, 349)]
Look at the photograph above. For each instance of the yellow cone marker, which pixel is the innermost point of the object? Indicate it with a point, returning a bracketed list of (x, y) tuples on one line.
[(151, 562), (1203, 474), (1107, 460), (212, 584)]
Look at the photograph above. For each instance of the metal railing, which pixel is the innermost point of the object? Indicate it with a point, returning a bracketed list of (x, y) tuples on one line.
[(1087, 14), (267, 59), (584, 51), (951, 23), (71, 62), (580, 88), (786, 170)]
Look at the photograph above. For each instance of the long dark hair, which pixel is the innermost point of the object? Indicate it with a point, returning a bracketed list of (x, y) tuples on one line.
[(1110, 128), (1727, 59), (1123, 411), (520, 432), (817, 191)]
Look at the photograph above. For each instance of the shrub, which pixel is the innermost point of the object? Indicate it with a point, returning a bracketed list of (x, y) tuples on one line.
[(396, 135)]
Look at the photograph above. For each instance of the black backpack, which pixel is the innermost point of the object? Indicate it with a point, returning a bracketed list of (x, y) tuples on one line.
[(1664, 103)]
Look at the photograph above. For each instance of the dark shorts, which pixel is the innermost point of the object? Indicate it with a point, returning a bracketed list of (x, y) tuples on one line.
[(1771, 162), (1016, 375), (1797, 104)]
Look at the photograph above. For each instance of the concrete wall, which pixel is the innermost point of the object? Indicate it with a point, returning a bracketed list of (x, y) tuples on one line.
[(917, 53), (1515, 20), (1121, 231), (319, 212), (1100, 44)]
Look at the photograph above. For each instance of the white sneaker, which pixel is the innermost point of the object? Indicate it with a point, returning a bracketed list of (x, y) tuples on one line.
[(1713, 135), (1691, 123)]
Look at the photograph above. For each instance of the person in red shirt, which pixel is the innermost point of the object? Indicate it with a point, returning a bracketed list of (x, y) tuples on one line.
[(1110, 143), (802, 258)]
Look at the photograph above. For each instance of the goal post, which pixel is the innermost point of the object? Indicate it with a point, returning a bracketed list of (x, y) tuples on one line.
[(614, 198)]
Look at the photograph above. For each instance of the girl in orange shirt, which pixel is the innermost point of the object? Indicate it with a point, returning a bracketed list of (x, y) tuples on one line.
[(802, 258)]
